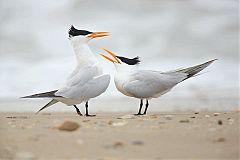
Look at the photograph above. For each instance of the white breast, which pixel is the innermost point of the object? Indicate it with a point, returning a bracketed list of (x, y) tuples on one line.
[(121, 79)]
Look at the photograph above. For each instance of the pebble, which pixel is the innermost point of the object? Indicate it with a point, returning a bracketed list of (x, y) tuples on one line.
[(216, 114), (11, 117), (69, 126), (118, 145), (20, 117), (220, 122), (207, 116), (230, 120), (168, 117), (193, 117), (118, 124), (115, 145), (184, 121), (87, 120), (129, 116), (196, 113), (220, 139), (153, 116), (138, 143)]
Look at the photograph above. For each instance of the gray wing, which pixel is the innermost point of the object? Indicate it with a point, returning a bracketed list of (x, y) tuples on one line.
[(96, 86), (75, 82), (148, 84)]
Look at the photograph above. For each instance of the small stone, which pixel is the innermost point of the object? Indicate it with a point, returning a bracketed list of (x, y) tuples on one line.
[(11, 117), (196, 113), (69, 126), (220, 122), (129, 116), (230, 120), (153, 116), (87, 120), (216, 114), (118, 145), (220, 139), (193, 117), (184, 121), (168, 117), (207, 116), (138, 143), (118, 124), (22, 117)]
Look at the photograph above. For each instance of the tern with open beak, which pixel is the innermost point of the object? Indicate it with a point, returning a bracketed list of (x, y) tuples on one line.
[(86, 81), (147, 84)]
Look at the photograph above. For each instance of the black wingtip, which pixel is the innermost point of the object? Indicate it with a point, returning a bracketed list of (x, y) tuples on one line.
[(43, 95), (213, 60), (25, 97)]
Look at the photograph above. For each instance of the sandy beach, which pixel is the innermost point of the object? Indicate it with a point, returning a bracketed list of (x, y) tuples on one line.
[(118, 136)]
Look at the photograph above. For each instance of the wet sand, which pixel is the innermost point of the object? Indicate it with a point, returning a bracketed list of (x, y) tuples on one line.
[(119, 136)]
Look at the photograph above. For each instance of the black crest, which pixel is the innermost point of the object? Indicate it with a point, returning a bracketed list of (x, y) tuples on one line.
[(129, 61), (75, 32)]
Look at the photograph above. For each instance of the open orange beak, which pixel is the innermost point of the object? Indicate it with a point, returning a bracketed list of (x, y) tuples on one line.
[(98, 34), (114, 60)]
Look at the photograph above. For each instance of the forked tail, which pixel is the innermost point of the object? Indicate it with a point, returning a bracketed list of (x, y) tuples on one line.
[(52, 102), (43, 95)]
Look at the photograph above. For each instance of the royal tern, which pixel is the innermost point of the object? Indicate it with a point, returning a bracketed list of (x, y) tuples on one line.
[(86, 81), (147, 84)]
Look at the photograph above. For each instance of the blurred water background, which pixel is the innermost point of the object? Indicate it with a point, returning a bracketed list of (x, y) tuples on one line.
[(36, 56)]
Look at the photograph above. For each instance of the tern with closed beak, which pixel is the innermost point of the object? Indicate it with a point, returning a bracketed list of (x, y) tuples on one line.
[(147, 84), (86, 81)]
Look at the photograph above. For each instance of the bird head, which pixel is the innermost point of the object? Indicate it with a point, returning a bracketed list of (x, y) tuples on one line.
[(84, 35), (121, 62)]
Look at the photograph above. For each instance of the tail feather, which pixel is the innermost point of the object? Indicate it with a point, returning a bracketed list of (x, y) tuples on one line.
[(191, 71), (53, 101), (42, 95)]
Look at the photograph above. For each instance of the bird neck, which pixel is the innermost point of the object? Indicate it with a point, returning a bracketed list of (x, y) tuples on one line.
[(123, 68), (83, 53)]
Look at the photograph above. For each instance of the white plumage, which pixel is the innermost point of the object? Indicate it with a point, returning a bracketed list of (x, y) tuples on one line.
[(86, 81), (147, 84)]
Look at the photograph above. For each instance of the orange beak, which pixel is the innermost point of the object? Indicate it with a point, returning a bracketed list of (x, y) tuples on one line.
[(98, 34), (114, 60)]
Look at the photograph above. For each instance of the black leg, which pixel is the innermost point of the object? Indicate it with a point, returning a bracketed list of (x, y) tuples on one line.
[(86, 106), (147, 104), (77, 110), (140, 109)]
